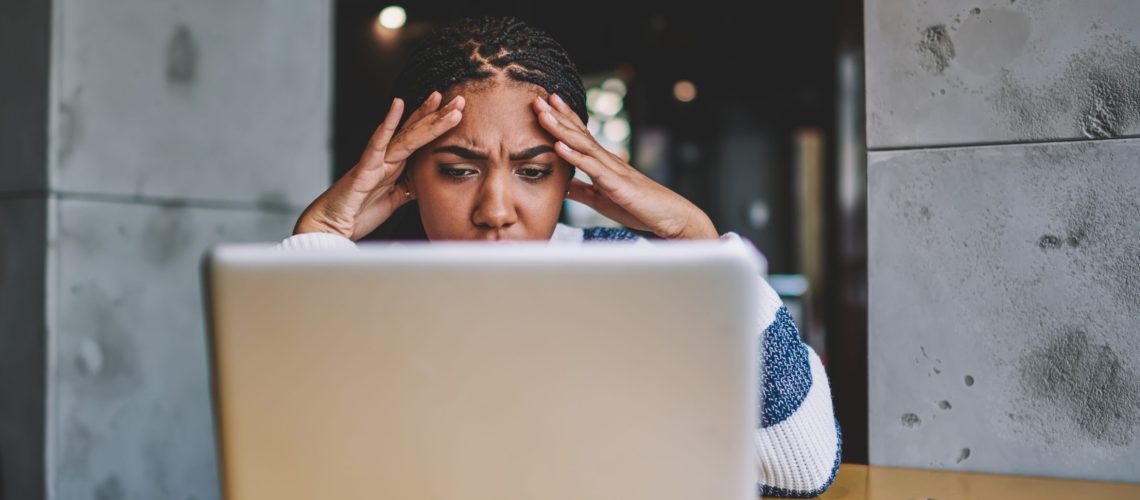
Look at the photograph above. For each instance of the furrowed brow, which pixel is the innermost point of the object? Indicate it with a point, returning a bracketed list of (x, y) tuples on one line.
[(529, 153), (461, 152)]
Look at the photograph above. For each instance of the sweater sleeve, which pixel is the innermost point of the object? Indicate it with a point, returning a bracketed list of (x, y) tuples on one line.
[(316, 241), (798, 441)]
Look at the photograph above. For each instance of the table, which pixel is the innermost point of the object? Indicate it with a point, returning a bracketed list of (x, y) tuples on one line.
[(862, 482)]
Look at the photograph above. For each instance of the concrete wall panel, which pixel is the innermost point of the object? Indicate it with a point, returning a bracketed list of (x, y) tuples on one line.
[(1004, 312), (214, 100), (131, 413), (997, 71)]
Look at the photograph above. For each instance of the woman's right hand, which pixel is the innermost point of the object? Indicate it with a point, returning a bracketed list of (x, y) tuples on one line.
[(366, 196)]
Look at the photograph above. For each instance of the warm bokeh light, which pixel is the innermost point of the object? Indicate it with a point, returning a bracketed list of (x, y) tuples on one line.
[(392, 17), (603, 102), (684, 91), (616, 130), (615, 85)]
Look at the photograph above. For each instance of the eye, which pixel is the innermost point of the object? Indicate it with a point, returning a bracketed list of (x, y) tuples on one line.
[(533, 172), (457, 173)]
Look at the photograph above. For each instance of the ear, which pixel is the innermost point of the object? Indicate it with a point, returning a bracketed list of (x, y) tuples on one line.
[(407, 182)]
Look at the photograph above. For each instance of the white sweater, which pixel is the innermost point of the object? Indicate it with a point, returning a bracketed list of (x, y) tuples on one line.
[(798, 445)]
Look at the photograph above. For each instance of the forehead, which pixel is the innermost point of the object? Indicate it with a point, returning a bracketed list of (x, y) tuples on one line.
[(498, 115)]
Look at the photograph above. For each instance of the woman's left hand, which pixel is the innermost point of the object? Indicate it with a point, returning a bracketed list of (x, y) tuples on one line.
[(619, 190)]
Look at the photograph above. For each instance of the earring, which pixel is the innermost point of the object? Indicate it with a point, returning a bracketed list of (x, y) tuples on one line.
[(407, 193)]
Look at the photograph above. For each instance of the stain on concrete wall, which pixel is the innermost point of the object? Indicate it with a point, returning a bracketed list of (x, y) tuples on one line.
[(110, 488), (1092, 386), (936, 49), (166, 236), (181, 57), (963, 455), (1099, 89)]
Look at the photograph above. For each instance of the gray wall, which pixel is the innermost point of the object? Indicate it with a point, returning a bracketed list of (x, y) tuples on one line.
[(161, 128), (1004, 226)]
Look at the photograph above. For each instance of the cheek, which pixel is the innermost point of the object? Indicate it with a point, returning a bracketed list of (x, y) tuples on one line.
[(441, 203), (538, 203), (542, 208)]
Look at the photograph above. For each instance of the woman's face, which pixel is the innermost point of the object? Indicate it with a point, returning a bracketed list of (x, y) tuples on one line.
[(494, 176)]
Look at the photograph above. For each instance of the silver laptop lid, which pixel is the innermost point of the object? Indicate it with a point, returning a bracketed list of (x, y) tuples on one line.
[(481, 371)]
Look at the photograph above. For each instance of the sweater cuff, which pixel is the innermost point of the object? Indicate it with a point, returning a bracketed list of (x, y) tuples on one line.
[(730, 236), (316, 241)]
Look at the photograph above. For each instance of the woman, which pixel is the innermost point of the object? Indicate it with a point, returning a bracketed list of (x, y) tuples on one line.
[(489, 153)]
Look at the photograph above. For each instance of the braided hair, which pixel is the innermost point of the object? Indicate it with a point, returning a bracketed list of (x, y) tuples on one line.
[(474, 51), (477, 49)]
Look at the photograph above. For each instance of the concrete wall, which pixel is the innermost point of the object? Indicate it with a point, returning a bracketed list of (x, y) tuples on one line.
[(1004, 226), (167, 127)]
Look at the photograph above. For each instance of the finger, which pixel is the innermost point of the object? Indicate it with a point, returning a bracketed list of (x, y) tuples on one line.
[(582, 192), (565, 109), (589, 164), (424, 131), (571, 120), (583, 141), (430, 104), (374, 153), (578, 140), (456, 102), (594, 198)]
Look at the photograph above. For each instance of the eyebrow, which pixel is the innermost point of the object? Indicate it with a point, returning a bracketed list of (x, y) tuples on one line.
[(469, 154)]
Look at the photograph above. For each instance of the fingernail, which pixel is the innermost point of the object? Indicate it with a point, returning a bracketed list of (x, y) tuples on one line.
[(548, 116), (559, 99), (543, 104), (563, 146)]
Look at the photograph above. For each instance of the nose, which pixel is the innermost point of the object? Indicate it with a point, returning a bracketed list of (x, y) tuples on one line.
[(494, 206)]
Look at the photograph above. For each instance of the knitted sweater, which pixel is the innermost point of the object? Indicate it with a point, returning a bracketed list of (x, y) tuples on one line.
[(797, 437)]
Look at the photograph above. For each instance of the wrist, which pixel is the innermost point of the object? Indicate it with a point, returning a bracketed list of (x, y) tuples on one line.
[(308, 224)]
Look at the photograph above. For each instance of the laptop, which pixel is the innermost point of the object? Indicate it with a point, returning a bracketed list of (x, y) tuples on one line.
[(486, 371)]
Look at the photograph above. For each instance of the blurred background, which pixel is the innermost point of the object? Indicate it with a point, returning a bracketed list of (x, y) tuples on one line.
[(993, 218)]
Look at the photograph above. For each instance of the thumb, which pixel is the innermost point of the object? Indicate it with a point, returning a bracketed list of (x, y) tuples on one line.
[(594, 198)]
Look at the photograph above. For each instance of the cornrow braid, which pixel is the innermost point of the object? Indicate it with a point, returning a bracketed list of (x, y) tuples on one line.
[(476, 49)]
